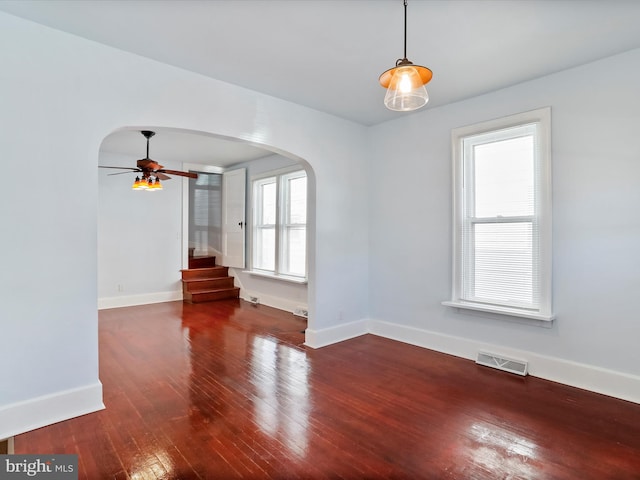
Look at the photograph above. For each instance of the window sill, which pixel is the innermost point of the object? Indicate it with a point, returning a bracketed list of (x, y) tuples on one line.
[(273, 276), (512, 312)]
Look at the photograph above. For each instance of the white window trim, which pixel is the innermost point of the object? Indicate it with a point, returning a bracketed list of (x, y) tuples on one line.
[(303, 280), (281, 277), (544, 211)]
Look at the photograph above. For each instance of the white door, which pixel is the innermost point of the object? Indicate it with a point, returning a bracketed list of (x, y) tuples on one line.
[(233, 218)]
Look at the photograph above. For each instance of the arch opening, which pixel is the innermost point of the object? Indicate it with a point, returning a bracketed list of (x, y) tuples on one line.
[(137, 229)]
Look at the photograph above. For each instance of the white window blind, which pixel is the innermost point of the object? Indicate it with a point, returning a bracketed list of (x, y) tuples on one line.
[(502, 217), (205, 214)]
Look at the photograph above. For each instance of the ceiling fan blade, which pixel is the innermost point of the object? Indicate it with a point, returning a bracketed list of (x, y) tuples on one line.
[(179, 173), (122, 168), (119, 173), (150, 168)]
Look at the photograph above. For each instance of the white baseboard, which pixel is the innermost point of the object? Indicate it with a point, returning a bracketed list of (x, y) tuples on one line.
[(25, 416), (574, 374), (339, 333), (143, 299), (272, 301)]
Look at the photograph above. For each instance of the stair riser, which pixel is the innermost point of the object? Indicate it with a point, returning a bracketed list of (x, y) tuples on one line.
[(214, 272), (209, 284), (202, 262), (212, 296)]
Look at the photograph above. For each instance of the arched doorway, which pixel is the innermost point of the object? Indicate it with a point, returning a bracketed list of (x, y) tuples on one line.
[(137, 230)]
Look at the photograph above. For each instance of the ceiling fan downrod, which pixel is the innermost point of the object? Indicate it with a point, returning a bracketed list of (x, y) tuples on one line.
[(147, 134)]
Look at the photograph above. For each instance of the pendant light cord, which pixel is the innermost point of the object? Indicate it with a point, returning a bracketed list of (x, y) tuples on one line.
[(405, 29)]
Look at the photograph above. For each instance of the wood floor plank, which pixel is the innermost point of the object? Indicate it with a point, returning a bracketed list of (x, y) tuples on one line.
[(228, 390)]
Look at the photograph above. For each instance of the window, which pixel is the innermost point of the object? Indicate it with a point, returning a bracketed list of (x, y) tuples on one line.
[(280, 225), (502, 216), (205, 213)]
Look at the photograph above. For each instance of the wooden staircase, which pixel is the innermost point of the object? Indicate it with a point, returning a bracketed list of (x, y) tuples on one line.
[(204, 281)]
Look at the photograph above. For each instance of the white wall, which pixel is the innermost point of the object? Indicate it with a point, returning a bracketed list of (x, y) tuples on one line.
[(382, 217), (139, 237), (61, 96), (596, 229), (140, 241)]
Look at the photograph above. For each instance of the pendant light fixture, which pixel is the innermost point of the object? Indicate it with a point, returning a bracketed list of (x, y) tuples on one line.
[(405, 83), (155, 186), (139, 184), (147, 184)]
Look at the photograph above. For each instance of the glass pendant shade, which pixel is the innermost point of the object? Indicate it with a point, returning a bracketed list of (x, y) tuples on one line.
[(147, 184), (143, 185), (406, 90), (405, 83), (137, 185)]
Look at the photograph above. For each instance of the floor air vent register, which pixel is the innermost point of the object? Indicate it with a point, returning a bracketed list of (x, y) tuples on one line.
[(499, 362)]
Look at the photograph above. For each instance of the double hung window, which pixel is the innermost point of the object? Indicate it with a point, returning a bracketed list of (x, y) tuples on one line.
[(502, 216), (279, 240)]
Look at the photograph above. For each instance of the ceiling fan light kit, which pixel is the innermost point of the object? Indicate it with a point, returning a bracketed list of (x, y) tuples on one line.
[(405, 83), (150, 171), (148, 185)]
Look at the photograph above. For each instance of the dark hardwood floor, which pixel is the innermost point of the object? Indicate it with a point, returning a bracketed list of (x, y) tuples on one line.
[(227, 390)]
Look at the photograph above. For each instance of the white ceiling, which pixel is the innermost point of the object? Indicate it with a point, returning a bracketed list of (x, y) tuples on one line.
[(328, 54), (171, 145)]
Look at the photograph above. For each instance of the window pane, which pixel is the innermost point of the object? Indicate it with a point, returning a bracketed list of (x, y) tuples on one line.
[(201, 208), (268, 210), (280, 213), (503, 261), (296, 242), (297, 200), (265, 249), (503, 178), (205, 213)]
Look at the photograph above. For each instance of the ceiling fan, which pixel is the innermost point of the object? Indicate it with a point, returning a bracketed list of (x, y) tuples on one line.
[(148, 169)]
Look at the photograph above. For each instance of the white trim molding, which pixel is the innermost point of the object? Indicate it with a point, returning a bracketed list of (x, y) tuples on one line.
[(339, 333), (536, 218), (512, 312), (272, 301), (39, 412), (574, 374), (143, 299)]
